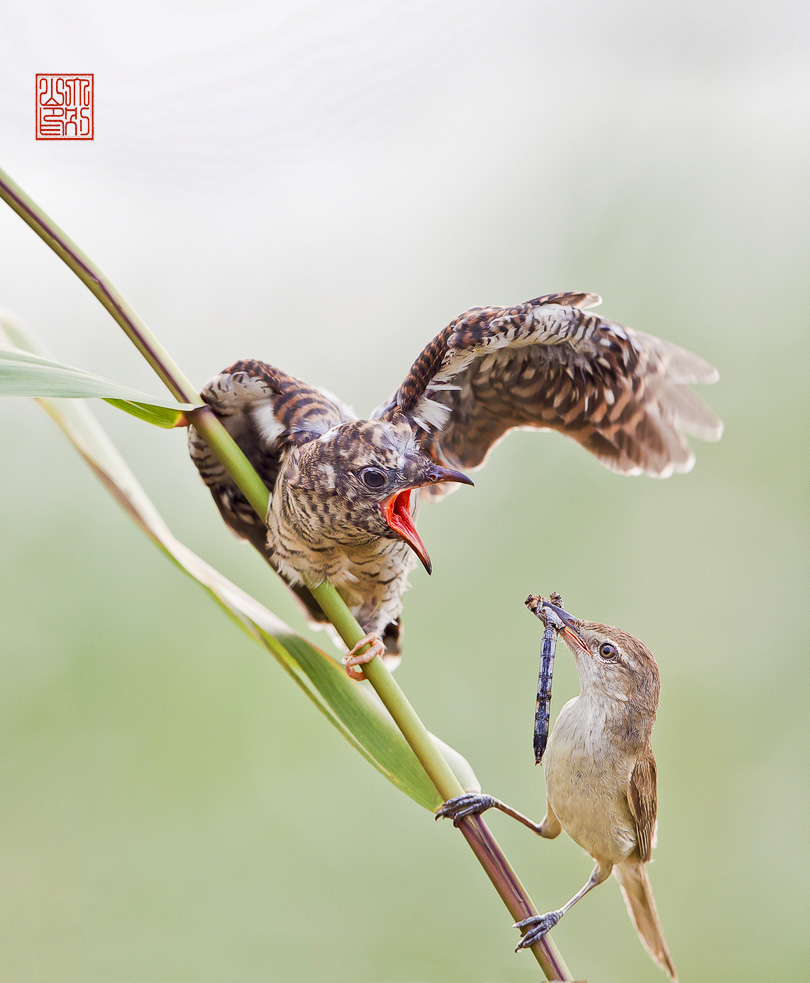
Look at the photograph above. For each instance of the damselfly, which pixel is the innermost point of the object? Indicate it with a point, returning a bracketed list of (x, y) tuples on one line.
[(542, 714)]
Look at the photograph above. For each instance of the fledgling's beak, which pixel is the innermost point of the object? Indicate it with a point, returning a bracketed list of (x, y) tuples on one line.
[(396, 510), (436, 473)]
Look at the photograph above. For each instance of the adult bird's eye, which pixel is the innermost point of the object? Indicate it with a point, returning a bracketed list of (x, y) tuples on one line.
[(608, 650), (373, 477)]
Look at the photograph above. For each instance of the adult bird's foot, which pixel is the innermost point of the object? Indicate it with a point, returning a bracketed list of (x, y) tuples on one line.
[(357, 658), (467, 804), (538, 926)]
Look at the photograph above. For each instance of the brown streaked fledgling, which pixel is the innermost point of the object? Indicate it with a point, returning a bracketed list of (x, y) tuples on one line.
[(600, 774), (344, 491)]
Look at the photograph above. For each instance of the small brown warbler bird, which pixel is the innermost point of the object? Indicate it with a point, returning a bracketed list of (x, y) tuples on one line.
[(600, 774), (343, 491)]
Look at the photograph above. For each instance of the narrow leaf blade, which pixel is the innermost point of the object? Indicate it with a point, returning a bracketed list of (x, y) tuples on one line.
[(24, 373), (166, 417)]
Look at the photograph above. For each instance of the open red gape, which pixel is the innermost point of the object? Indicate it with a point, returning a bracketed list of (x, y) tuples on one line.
[(396, 511)]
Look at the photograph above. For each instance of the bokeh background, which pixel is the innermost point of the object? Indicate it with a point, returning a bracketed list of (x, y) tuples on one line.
[(325, 185)]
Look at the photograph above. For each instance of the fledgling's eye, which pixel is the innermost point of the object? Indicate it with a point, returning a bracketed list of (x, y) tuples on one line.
[(608, 651), (373, 477)]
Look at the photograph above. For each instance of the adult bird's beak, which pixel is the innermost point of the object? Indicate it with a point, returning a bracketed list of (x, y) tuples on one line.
[(396, 510), (570, 627)]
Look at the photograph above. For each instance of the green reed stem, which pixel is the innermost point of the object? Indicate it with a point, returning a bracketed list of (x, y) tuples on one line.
[(101, 287)]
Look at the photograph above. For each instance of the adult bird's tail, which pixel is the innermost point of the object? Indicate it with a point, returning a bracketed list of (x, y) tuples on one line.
[(635, 885)]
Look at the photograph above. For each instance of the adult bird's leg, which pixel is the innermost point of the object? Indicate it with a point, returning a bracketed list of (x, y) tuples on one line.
[(358, 658), (538, 925), (473, 803)]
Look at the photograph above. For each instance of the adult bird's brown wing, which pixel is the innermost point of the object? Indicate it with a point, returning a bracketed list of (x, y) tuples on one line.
[(642, 799), (266, 412), (551, 364)]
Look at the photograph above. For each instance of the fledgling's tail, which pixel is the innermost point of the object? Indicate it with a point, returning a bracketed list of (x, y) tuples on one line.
[(635, 885)]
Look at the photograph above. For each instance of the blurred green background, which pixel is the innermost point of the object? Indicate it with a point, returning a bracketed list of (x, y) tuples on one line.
[(325, 186)]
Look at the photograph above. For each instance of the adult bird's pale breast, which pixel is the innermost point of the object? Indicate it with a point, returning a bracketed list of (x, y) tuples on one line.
[(587, 773)]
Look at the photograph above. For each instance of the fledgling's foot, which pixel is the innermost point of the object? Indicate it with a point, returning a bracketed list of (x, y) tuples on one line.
[(538, 926), (357, 658), (466, 804)]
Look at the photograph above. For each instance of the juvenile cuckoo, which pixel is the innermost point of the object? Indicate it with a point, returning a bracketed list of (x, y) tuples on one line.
[(344, 491)]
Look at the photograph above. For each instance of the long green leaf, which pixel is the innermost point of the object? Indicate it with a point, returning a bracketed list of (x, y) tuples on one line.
[(353, 708), (23, 373)]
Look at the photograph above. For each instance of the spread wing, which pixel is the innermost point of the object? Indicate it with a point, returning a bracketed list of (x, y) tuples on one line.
[(550, 364), (266, 411), (642, 799)]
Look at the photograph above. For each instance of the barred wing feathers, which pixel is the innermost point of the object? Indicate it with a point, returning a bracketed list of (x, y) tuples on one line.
[(550, 364), (266, 411)]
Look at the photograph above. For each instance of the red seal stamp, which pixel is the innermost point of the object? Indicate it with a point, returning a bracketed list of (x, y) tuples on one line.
[(64, 107)]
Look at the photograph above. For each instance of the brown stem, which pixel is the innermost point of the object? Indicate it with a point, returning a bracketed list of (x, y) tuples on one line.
[(483, 844)]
